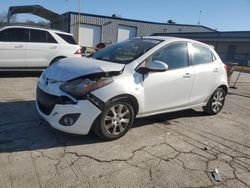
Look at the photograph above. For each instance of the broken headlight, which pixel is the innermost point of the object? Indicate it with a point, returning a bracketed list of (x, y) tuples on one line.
[(80, 87)]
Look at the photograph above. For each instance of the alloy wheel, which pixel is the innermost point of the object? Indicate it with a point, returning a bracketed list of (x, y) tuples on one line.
[(117, 119), (218, 101)]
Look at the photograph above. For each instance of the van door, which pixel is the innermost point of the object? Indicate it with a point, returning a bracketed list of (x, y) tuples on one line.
[(12, 47), (41, 48)]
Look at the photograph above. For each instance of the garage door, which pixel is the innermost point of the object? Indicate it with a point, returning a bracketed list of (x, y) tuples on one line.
[(126, 32), (90, 35)]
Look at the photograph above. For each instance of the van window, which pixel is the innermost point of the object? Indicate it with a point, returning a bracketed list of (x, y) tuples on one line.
[(50, 38), (41, 36), (201, 55), (13, 35), (68, 38)]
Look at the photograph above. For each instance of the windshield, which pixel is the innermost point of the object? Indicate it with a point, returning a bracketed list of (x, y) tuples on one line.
[(126, 52)]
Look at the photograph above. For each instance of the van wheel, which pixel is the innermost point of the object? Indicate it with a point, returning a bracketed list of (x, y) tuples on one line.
[(216, 102), (55, 60), (115, 120)]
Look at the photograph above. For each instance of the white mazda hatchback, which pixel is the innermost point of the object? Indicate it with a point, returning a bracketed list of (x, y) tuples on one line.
[(132, 79)]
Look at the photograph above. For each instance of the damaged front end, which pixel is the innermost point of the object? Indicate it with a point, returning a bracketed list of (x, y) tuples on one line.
[(78, 88), (80, 79), (81, 86)]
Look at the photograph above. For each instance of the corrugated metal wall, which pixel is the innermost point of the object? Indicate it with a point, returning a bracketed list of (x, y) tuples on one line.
[(110, 26)]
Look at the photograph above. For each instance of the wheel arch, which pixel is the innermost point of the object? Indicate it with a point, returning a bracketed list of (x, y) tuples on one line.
[(57, 57), (224, 87), (129, 98)]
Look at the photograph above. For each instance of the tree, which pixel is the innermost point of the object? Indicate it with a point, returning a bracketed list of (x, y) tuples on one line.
[(43, 23), (30, 22), (40, 23), (4, 17)]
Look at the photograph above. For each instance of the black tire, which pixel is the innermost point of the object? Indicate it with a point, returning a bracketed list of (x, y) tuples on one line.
[(216, 102), (106, 119)]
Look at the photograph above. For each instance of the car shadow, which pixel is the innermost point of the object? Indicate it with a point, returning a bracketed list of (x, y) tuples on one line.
[(17, 74), (167, 117), (22, 129), (236, 94)]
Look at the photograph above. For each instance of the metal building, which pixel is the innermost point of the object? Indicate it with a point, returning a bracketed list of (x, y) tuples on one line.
[(110, 29), (95, 29)]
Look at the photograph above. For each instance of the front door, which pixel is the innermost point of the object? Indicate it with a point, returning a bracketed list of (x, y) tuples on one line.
[(170, 89), (12, 47)]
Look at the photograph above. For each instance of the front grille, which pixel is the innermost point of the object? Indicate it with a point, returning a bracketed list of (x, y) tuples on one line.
[(47, 102)]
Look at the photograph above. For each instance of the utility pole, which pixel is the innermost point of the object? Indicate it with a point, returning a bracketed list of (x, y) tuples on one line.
[(79, 20)]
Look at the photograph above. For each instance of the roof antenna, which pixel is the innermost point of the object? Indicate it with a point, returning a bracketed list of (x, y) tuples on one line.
[(199, 19)]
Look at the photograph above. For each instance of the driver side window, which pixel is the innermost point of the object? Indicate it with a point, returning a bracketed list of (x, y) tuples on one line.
[(175, 56)]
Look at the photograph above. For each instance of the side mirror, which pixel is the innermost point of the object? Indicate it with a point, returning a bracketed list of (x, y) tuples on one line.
[(157, 66), (153, 66)]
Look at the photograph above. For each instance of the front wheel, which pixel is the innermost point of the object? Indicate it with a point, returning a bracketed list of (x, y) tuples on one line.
[(216, 102), (115, 120)]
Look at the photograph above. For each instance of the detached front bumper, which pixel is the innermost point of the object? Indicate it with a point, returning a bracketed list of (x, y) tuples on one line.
[(54, 109)]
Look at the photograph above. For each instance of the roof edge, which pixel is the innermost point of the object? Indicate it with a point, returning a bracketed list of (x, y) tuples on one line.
[(135, 20), (207, 35)]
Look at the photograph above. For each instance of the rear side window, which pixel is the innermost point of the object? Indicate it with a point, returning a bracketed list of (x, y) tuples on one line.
[(41, 36), (175, 56), (13, 35), (68, 38), (201, 55), (50, 38)]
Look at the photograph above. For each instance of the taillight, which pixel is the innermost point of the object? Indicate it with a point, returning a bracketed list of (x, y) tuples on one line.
[(78, 52), (225, 66)]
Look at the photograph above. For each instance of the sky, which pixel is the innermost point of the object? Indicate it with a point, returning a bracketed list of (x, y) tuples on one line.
[(223, 15)]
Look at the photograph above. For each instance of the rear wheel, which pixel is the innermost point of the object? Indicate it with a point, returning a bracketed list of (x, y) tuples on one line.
[(216, 102), (55, 60), (115, 120)]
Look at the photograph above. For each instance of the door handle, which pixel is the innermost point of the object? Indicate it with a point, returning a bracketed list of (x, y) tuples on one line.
[(19, 46), (216, 70), (53, 47), (187, 75)]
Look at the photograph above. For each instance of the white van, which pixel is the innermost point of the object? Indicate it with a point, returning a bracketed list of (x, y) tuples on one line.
[(34, 48)]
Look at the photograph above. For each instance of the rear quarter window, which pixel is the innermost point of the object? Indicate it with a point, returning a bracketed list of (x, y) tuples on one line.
[(68, 38)]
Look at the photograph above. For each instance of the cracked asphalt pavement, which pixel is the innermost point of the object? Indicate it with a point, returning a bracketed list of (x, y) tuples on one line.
[(178, 149)]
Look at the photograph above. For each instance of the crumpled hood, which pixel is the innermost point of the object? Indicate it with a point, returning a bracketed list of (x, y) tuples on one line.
[(71, 68)]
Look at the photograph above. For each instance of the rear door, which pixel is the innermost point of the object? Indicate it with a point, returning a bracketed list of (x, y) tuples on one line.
[(12, 47), (206, 72), (41, 48)]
